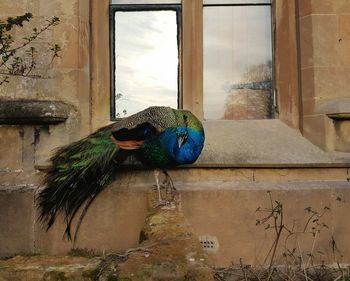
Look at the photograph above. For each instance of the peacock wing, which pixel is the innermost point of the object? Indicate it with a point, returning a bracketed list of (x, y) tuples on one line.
[(131, 132), (160, 117)]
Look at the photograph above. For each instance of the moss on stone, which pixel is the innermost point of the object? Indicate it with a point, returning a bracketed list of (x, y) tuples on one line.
[(91, 274), (55, 276)]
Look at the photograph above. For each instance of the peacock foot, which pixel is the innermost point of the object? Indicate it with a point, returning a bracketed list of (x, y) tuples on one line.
[(168, 199)]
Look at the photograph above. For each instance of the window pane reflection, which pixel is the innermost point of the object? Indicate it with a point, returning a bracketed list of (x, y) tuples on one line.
[(215, 2), (146, 59), (237, 62), (137, 2)]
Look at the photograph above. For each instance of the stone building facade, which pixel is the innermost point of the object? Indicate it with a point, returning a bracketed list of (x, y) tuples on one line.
[(303, 155)]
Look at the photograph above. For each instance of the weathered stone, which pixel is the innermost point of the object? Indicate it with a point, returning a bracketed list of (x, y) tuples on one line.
[(334, 106), (47, 268), (33, 112), (16, 220), (169, 250)]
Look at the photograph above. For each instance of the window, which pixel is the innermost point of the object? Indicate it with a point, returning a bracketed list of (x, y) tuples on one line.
[(145, 55), (237, 60), (213, 57)]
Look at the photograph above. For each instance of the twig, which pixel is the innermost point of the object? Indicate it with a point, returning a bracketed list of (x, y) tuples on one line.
[(242, 267), (280, 228), (218, 277), (312, 248), (302, 261), (53, 22), (302, 274), (24, 75), (255, 274)]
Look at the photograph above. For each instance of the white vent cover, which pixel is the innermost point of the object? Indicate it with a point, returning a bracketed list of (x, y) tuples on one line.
[(209, 243)]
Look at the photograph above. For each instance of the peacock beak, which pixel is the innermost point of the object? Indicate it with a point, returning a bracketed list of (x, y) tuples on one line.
[(181, 139)]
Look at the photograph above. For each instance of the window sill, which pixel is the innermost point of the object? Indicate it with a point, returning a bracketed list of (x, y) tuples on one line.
[(256, 144), (262, 143)]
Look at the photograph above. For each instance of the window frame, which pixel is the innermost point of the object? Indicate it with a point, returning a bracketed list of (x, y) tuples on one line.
[(113, 8)]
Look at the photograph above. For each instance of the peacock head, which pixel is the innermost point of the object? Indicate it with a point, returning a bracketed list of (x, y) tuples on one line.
[(188, 140)]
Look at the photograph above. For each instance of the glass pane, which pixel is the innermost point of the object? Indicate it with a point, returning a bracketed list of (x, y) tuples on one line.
[(237, 62), (146, 60), (133, 2), (220, 2)]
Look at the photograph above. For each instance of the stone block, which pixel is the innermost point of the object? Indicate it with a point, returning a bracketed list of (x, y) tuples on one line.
[(13, 8), (84, 101), (84, 45), (84, 10), (16, 220), (307, 76), (314, 129), (36, 267), (334, 106), (331, 82), (344, 27), (306, 42), (67, 36), (33, 6), (309, 106), (343, 52), (32, 112), (307, 7), (286, 62), (113, 222), (11, 144), (342, 132), (311, 174), (325, 40), (59, 8), (342, 6)]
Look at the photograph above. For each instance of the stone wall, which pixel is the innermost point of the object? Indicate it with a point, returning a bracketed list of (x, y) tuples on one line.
[(311, 80), (25, 147), (324, 72)]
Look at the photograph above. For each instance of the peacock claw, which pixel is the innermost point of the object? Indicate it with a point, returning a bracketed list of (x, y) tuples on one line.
[(165, 204), (167, 183), (161, 203)]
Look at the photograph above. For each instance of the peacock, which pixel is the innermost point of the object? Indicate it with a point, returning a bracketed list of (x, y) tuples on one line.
[(159, 137)]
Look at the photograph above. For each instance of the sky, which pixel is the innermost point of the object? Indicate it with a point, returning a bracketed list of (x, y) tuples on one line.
[(146, 60)]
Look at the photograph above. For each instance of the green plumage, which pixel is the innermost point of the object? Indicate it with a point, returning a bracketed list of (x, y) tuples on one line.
[(78, 172)]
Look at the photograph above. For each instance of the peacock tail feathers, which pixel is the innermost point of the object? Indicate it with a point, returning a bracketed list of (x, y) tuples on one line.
[(79, 172)]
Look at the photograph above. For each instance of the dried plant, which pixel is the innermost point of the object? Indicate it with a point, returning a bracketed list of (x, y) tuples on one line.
[(299, 264)]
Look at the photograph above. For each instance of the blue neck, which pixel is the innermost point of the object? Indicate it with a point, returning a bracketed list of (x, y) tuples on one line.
[(190, 149)]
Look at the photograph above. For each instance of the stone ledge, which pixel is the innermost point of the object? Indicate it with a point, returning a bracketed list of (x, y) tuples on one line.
[(336, 108), (15, 112)]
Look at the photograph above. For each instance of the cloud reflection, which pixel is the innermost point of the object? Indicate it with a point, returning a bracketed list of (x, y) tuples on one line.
[(235, 39)]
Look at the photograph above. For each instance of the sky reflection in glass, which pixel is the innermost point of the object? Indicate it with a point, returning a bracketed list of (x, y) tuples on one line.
[(146, 60), (237, 42)]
